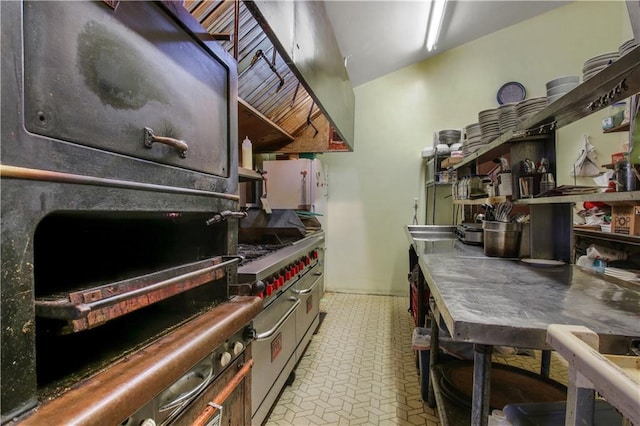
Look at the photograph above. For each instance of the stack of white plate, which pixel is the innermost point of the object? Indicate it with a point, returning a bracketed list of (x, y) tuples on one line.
[(596, 64), (507, 117), (627, 47), (528, 107), (489, 124), (473, 138), (558, 87), (449, 136)]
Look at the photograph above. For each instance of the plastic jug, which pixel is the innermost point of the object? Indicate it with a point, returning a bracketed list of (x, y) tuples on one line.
[(247, 154)]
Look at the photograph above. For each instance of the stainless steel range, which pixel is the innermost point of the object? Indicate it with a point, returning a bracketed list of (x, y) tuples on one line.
[(290, 279)]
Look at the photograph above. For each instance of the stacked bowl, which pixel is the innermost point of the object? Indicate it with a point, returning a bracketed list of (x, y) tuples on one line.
[(489, 124), (507, 117), (558, 87), (473, 138), (449, 136), (594, 65), (627, 47), (528, 107), (446, 138)]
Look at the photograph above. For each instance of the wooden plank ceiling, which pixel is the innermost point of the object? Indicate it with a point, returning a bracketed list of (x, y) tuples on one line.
[(267, 87)]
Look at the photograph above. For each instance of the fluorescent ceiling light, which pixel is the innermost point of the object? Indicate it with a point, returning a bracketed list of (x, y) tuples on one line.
[(435, 22)]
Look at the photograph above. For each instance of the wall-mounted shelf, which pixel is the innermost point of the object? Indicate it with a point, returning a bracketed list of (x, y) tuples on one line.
[(247, 175), (433, 183), (263, 133), (621, 128), (608, 236), (576, 104), (480, 201), (611, 198)]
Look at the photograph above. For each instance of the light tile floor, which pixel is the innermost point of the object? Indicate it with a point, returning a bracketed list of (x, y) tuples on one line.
[(360, 369)]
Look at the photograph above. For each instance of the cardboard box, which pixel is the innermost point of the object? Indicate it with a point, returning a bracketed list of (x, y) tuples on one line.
[(626, 220), (617, 156), (450, 161)]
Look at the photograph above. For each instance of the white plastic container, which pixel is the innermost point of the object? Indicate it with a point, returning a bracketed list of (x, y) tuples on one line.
[(247, 154)]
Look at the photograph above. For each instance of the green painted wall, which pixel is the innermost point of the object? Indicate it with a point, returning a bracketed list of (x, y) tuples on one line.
[(372, 189)]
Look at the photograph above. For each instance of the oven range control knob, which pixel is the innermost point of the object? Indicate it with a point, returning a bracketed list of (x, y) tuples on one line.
[(258, 287), (301, 265), (269, 289), (307, 260), (238, 347), (225, 359), (280, 281)]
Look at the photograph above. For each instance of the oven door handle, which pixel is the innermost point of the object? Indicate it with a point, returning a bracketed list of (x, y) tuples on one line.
[(150, 138), (218, 401), (308, 290), (275, 328)]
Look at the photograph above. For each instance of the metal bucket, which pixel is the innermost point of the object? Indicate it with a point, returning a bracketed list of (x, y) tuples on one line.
[(501, 239)]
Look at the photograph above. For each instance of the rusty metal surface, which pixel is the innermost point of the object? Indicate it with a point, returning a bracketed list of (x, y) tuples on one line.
[(103, 76), (237, 407), (113, 395), (82, 309), (91, 180)]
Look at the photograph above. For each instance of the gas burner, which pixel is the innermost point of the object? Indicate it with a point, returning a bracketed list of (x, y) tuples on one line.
[(252, 252)]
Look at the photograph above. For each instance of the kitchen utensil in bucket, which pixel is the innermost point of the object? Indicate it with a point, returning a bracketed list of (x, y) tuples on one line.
[(501, 239)]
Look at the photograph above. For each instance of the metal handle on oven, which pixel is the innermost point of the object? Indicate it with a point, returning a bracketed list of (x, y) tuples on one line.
[(217, 402), (307, 290), (187, 379), (150, 138), (275, 328), (82, 310)]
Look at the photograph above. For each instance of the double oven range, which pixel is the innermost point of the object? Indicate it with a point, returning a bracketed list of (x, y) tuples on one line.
[(290, 279), (119, 219)]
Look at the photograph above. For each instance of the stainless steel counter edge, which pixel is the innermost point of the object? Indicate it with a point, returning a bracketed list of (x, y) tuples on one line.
[(514, 305)]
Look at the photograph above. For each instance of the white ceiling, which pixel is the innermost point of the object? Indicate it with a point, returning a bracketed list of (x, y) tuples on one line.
[(381, 36)]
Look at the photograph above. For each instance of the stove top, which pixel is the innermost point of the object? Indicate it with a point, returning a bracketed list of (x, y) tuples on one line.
[(263, 260), (251, 252)]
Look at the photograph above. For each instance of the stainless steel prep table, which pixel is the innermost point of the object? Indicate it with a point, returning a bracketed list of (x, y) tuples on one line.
[(494, 301)]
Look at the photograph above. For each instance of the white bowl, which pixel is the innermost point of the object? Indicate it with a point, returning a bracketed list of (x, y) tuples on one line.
[(561, 89), (428, 151), (552, 99), (442, 148), (563, 80)]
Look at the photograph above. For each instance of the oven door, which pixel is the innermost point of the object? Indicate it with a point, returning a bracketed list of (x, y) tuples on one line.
[(231, 389), (308, 291), (273, 352)]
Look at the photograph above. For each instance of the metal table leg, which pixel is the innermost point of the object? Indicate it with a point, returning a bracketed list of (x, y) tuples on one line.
[(481, 384), (580, 401), (545, 363), (433, 358)]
